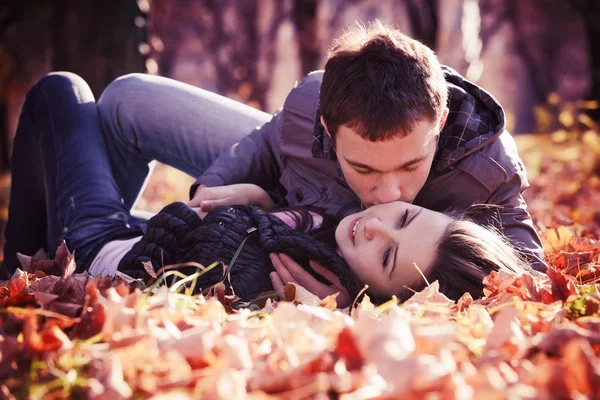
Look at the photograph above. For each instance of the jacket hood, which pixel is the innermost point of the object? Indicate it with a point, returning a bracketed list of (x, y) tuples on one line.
[(475, 119)]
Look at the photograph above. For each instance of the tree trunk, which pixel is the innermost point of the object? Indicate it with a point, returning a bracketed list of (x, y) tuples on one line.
[(98, 40), (24, 58)]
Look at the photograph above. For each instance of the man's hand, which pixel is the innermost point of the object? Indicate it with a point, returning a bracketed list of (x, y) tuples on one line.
[(206, 198), (199, 211), (289, 271)]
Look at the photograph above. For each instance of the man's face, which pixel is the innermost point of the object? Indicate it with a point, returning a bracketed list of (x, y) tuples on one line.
[(396, 169)]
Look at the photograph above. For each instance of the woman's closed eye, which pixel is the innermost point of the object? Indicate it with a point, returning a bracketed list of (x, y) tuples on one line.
[(386, 257), (403, 220)]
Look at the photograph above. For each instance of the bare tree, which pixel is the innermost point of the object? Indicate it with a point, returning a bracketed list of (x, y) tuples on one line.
[(99, 40)]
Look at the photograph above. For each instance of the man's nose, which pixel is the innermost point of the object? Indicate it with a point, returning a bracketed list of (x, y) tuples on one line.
[(374, 228), (388, 190)]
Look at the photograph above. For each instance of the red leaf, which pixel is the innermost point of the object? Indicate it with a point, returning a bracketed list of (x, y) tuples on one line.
[(563, 285), (348, 349), (51, 338)]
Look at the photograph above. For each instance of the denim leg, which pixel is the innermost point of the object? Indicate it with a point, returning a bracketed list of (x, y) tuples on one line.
[(60, 124), (147, 118)]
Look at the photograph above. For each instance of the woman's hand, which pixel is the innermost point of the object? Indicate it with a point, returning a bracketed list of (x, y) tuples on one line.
[(289, 271), (206, 198)]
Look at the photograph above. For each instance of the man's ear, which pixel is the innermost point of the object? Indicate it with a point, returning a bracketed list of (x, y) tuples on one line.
[(326, 129), (443, 119)]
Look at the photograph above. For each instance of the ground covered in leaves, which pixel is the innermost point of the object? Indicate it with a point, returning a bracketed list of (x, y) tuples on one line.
[(71, 335)]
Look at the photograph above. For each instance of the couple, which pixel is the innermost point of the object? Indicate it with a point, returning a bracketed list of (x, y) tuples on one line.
[(365, 159)]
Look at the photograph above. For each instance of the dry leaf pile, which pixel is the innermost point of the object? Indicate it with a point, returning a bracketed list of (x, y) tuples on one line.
[(531, 337)]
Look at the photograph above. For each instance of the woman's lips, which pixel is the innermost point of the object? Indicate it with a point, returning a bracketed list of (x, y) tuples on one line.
[(351, 230)]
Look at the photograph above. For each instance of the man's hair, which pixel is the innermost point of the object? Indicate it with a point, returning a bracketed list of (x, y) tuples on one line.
[(381, 83)]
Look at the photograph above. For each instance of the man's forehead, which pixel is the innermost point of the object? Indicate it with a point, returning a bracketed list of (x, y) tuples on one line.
[(420, 137), (379, 155)]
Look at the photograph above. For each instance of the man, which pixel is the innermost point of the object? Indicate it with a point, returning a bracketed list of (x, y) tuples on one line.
[(383, 122)]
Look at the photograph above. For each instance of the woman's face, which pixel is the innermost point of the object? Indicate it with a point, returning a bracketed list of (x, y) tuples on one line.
[(382, 243)]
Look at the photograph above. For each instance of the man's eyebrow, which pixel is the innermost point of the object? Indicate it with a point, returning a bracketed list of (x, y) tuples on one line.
[(398, 245), (405, 165)]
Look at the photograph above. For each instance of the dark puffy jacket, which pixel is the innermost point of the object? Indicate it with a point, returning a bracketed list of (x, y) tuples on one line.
[(177, 235)]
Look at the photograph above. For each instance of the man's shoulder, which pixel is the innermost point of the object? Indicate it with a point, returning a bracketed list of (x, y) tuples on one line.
[(300, 126), (477, 177), (313, 78), (305, 95), (495, 164), (300, 110)]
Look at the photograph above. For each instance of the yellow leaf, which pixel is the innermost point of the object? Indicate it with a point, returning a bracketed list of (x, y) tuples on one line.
[(560, 136), (566, 118), (587, 121), (543, 118), (566, 152), (553, 99), (557, 239), (590, 105), (591, 140)]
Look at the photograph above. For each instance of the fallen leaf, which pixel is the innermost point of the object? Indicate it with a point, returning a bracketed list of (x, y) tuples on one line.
[(556, 239), (329, 301), (149, 268)]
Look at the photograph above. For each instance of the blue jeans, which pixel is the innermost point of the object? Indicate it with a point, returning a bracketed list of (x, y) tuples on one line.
[(78, 166)]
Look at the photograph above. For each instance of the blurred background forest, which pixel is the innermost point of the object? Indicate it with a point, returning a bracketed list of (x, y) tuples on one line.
[(540, 58)]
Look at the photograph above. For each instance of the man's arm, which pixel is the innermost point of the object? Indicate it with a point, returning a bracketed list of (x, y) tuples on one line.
[(515, 221), (255, 159)]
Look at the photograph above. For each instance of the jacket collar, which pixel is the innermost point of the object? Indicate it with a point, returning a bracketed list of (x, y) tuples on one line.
[(322, 145)]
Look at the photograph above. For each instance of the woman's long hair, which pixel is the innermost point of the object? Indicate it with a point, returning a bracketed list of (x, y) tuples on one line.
[(470, 249)]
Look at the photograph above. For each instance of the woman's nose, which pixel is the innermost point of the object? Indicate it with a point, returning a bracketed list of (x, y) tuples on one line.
[(374, 228)]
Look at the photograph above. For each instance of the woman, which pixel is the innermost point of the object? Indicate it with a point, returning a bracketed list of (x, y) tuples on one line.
[(64, 188), (395, 248)]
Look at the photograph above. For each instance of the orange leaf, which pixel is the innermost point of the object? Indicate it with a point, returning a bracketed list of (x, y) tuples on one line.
[(289, 292), (329, 302)]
